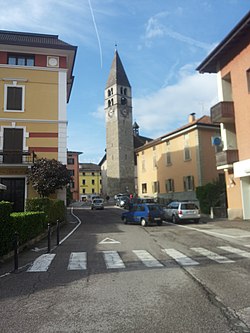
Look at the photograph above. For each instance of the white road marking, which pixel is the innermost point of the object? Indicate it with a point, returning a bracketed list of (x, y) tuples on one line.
[(77, 261), (113, 260), (147, 259), (231, 249), (181, 258), (42, 263), (109, 241), (212, 255)]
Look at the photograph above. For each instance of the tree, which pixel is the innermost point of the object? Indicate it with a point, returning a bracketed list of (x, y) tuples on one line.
[(211, 195), (46, 176)]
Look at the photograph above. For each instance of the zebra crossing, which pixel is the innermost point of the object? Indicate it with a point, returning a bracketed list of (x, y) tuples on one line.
[(78, 261)]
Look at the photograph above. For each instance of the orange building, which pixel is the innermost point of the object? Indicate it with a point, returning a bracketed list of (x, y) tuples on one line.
[(172, 166), (35, 84), (231, 61), (73, 167)]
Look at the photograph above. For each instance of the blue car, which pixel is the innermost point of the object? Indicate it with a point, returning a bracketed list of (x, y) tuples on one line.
[(144, 214)]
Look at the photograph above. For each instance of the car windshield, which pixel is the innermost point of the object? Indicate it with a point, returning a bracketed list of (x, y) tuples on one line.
[(97, 201)]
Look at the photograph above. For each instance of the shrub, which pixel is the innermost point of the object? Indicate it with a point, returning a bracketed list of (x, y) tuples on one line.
[(28, 224), (6, 227), (209, 195), (54, 209)]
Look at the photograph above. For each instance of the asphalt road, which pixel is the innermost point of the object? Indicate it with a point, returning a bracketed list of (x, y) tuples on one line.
[(109, 277)]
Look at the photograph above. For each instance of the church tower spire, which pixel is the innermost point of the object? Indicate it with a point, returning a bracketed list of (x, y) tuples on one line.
[(119, 130), (117, 74)]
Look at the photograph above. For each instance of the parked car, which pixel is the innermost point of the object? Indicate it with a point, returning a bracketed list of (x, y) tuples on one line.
[(120, 195), (97, 204), (122, 201), (177, 211), (144, 213)]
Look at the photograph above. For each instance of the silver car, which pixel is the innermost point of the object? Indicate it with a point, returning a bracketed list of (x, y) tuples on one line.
[(178, 211), (97, 204)]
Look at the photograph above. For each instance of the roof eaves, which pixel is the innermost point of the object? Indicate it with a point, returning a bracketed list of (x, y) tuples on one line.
[(207, 64)]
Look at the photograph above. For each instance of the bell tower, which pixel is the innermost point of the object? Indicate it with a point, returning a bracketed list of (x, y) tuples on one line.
[(119, 131)]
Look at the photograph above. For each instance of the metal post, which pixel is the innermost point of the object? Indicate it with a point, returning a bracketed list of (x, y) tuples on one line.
[(16, 250), (49, 238), (57, 232)]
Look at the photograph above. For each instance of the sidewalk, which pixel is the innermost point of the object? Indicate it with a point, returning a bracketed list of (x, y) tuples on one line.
[(33, 250)]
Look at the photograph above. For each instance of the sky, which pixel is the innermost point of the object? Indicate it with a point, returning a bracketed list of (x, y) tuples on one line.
[(160, 43)]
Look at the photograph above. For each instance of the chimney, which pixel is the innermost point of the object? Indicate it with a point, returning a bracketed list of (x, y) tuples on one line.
[(191, 118)]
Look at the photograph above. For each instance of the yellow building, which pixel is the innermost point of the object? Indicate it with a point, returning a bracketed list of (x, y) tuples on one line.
[(90, 180), (173, 165), (35, 85)]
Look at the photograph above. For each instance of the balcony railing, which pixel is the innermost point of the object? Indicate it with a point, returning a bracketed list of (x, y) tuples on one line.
[(222, 112), (17, 157), (227, 157)]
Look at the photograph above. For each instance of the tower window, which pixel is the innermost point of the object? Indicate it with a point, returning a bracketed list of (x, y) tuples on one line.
[(125, 91), (121, 90)]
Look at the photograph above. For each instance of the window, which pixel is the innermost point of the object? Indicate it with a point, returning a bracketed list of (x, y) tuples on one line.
[(169, 185), (72, 184), (156, 187), (93, 182), (187, 155), (83, 182), (144, 188), (143, 166), (168, 158), (83, 173), (93, 191), (71, 172), (92, 173), (21, 60), (70, 161), (83, 190), (13, 98), (154, 162), (188, 183)]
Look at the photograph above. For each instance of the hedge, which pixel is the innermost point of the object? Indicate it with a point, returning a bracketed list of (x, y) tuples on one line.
[(54, 209), (27, 224)]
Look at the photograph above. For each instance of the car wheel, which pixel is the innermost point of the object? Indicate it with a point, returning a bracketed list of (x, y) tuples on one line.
[(174, 219), (92, 208), (196, 220), (144, 223), (159, 223)]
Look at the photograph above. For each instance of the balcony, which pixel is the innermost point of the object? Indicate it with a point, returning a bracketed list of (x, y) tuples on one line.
[(227, 157), (16, 158), (222, 112)]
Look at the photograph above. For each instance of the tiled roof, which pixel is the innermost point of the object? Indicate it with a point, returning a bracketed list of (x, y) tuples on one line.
[(89, 167), (117, 74), (33, 39), (202, 121)]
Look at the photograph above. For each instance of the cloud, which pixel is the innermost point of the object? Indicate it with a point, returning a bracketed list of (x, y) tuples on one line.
[(168, 108), (155, 29)]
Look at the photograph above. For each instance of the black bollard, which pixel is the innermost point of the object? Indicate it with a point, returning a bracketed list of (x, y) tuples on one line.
[(49, 238), (16, 250), (57, 232)]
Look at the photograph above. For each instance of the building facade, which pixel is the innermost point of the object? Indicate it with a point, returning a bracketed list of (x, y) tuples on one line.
[(90, 180), (231, 61), (73, 167), (173, 165), (119, 131), (35, 84)]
